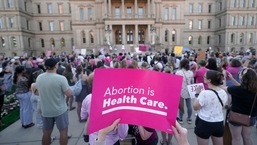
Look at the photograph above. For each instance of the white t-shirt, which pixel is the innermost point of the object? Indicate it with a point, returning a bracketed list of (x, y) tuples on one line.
[(211, 109)]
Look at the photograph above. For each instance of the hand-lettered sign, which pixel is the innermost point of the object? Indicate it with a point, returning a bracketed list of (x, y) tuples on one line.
[(192, 89)]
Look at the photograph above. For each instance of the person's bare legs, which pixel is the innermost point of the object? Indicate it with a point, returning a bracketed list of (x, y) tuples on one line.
[(246, 131), (169, 138), (217, 140), (64, 136), (236, 134), (201, 141), (46, 139), (71, 103), (79, 104), (164, 141)]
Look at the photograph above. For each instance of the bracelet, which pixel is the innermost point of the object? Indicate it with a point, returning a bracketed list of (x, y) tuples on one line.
[(196, 95)]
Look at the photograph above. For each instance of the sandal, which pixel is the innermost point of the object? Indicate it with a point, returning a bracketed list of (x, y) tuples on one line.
[(72, 108)]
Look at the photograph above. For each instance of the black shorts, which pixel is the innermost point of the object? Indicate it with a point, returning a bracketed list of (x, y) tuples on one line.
[(204, 129)]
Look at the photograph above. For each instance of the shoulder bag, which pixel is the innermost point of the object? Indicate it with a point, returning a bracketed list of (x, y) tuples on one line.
[(217, 96), (239, 118), (76, 89)]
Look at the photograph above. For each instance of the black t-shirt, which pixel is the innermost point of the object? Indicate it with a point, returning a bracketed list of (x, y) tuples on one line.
[(242, 100), (152, 138)]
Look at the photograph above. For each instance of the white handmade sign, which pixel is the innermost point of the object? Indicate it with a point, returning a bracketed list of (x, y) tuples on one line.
[(192, 89)]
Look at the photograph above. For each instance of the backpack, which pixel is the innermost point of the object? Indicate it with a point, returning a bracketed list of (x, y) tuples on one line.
[(76, 89)]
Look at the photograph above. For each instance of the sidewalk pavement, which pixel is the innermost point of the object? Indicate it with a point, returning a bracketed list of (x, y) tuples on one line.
[(16, 135)]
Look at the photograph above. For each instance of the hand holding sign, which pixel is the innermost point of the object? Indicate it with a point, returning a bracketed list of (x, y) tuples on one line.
[(135, 101), (198, 89)]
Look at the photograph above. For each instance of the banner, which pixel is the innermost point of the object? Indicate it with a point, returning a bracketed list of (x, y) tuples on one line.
[(139, 97), (83, 51), (142, 48), (192, 89)]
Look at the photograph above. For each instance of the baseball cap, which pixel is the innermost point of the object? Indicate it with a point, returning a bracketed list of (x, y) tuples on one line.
[(50, 63)]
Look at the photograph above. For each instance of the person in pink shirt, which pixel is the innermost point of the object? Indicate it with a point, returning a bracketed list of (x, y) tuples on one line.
[(200, 73), (234, 67)]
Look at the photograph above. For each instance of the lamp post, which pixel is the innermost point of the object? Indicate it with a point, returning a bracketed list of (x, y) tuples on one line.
[(108, 32), (153, 30)]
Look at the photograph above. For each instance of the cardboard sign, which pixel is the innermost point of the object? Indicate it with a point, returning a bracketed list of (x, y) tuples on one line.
[(83, 51), (200, 56), (142, 48), (139, 97), (178, 50), (192, 88), (48, 53)]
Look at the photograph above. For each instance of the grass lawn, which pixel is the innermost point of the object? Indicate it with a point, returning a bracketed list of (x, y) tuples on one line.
[(10, 118)]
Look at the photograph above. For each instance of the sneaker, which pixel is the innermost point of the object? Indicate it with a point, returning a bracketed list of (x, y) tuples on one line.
[(72, 108), (69, 136), (86, 138), (189, 121), (180, 121), (53, 138), (28, 126)]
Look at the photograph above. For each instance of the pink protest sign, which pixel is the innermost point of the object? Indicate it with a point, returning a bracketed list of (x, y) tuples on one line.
[(140, 97)]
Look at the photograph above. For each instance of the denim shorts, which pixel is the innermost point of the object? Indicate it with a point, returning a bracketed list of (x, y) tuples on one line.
[(62, 121)]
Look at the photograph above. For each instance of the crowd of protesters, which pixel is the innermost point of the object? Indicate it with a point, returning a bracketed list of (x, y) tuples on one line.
[(221, 74)]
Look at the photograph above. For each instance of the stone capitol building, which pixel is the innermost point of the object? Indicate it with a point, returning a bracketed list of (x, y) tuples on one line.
[(34, 26)]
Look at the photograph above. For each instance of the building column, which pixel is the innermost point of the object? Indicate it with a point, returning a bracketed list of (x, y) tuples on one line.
[(245, 38), (102, 33), (158, 32), (148, 8), (236, 38), (110, 34), (149, 33), (122, 9), (105, 9), (157, 10), (136, 8), (160, 11), (123, 35), (17, 22), (153, 8), (97, 36), (254, 40), (227, 38), (136, 34), (110, 8), (3, 5)]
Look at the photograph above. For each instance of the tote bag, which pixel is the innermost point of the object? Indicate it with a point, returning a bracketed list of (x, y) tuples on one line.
[(76, 89)]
